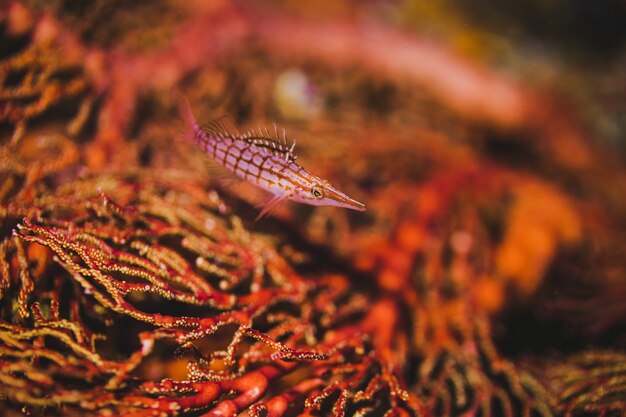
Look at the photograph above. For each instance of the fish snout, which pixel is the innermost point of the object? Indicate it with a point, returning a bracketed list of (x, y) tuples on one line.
[(339, 199)]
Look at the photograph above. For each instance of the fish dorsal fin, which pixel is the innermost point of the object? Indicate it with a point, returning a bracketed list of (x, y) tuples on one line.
[(223, 127), (276, 143)]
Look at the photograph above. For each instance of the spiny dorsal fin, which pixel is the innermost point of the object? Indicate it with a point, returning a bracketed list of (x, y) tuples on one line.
[(223, 127), (263, 138)]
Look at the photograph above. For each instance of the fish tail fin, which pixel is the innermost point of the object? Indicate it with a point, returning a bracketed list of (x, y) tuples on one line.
[(190, 126)]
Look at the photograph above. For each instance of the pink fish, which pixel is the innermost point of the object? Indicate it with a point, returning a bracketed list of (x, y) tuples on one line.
[(264, 160)]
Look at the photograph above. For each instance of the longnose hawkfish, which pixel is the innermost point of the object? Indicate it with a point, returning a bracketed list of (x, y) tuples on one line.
[(265, 160)]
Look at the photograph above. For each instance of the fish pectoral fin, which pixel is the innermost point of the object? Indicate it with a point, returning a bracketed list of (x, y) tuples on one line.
[(221, 175), (271, 205)]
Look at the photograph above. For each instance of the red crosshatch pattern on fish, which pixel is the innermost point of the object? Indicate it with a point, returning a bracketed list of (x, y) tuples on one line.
[(264, 159)]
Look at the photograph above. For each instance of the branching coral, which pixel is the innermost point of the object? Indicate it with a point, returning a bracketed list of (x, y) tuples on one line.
[(36, 79), (590, 383), (479, 382), (458, 84), (127, 246), (144, 291)]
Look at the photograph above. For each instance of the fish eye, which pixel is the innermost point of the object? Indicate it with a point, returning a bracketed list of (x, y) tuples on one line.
[(317, 192)]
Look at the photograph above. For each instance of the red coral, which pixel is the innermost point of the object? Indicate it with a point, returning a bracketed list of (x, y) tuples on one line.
[(142, 291), (137, 251)]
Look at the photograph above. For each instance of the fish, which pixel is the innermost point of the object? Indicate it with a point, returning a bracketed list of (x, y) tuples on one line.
[(265, 160)]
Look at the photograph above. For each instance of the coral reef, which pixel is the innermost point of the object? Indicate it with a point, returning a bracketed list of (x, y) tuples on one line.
[(589, 383), (110, 247), (485, 278)]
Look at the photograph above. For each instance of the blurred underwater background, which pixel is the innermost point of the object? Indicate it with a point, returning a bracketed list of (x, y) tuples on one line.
[(486, 277)]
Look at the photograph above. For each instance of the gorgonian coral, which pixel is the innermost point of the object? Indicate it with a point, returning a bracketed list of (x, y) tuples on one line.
[(37, 78), (96, 250), (589, 383), (130, 284)]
